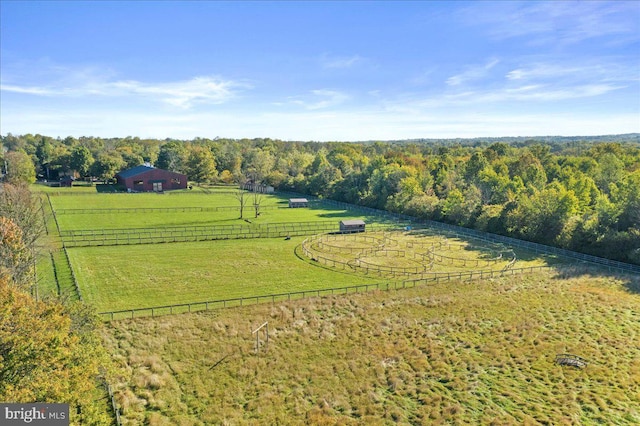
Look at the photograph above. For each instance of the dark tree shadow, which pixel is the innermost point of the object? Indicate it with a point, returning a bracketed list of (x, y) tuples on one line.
[(105, 188), (630, 280), (336, 214)]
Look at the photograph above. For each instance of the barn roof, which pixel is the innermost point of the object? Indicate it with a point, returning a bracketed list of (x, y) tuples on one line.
[(352, 222), (138, 170)]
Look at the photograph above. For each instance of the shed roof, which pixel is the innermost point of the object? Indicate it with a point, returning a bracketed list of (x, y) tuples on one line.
[(352, 222), (298, 200), (134, 171)]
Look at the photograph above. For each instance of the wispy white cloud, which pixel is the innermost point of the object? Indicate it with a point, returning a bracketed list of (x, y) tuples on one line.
[(181, 94), (472, 73), (603, 70), (41, 91), (509, 95), (322, 99), (340, 61), (558, 22), (534, 82)]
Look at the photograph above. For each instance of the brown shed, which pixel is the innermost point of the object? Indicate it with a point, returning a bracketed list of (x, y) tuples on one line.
[(147, 178)]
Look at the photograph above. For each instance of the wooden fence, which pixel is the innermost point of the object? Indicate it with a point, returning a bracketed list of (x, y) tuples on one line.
[(240, 301), (111, 237), (73, 274), (281, 297), (138, 210), (114, 405), (495, 238)]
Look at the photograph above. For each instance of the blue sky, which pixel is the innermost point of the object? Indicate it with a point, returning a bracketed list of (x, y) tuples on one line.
[(319, 70)]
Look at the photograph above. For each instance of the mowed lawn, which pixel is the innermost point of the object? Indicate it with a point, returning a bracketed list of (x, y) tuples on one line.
[(138, 276), (168, 218), (148, 199)]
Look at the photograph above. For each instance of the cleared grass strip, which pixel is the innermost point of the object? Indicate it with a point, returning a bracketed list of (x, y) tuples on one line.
[(64, 275)]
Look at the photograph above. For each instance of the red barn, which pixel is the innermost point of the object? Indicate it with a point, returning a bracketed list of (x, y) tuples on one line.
[(146, 178)]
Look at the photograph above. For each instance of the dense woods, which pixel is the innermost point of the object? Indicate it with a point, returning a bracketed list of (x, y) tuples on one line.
[(581, 194)]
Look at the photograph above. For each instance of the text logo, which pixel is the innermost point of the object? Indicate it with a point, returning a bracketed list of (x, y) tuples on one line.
[(34, 414)]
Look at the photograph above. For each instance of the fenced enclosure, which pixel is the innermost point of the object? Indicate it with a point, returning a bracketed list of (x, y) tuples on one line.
[(408, 254), (108, 237), (289, 296), (138, 210), (480, 235), (422, 260)]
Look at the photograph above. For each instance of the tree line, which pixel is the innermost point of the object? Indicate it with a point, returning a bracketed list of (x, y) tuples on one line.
[(574, 193)]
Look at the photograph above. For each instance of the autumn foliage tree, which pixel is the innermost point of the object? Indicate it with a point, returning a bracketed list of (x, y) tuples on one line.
[(49, 351), (15, 256), (48, 356)]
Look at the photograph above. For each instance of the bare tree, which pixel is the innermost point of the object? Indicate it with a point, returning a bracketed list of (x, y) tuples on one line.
[(257, 200), (241, 196)]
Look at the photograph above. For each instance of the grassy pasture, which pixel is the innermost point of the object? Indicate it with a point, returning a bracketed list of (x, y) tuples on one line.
[(83, 188), (451, 353), (158, 219), (137, 276), (116, 278)]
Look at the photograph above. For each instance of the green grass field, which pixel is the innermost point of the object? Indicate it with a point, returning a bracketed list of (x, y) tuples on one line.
[(454, 353), (158, 219), (117, 278), (92, 267)]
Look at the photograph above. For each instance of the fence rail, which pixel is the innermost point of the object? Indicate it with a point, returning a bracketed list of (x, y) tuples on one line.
[(111, 237), (316, 248), (73, 275), (137, 210), (154, 311), (495, 238), (114, 405), (207, 191)]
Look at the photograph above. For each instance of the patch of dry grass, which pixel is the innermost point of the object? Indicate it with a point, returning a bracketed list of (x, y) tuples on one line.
[(476, 353)]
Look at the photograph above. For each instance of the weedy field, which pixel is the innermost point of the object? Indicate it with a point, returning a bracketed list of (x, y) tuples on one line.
[(479, 352)]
